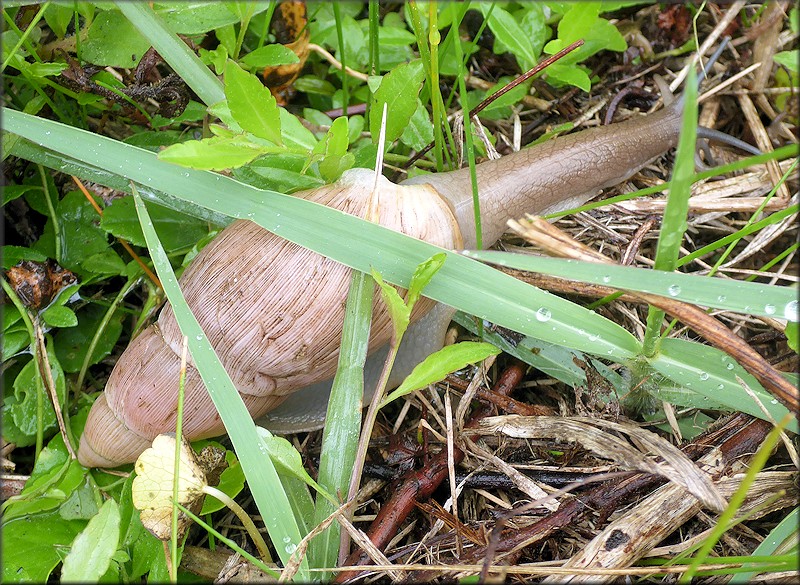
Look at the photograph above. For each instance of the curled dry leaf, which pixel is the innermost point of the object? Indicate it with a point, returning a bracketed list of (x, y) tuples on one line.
[(596, 436), (38, 283), (152, 487)]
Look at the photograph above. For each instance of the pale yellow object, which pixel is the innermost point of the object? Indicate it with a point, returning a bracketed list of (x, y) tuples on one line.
[(152, 487)]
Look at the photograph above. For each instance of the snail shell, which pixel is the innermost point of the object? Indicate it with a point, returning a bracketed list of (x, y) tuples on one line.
[(273, 312)]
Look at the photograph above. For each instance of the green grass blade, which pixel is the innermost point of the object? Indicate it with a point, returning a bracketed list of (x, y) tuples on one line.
[(343, 421), (461, 283), (731, 295), (262, 477), (712, 373), (676, 212), (174, 51), (786, 531)]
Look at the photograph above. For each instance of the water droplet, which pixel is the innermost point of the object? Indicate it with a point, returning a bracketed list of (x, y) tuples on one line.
[(729, 366), (199, 337), (769, 309), (704, 376), (290, 548), (773, 401), (790, 311), (543, 314), (287, 539), (722, 298), (593, 337), (606, 279), (674, 290), (720, 386)]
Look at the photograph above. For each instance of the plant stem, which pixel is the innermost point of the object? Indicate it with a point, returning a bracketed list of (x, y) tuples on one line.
[(246, 521)]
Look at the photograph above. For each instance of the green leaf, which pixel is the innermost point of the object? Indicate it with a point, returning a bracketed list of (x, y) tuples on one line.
[(419, 132), (191, 18), (787, 59), (12, 255), (46, 69), (32, 545), (72, 344), (270, 56), (509, 37), (398, 310), (19, 409), (287, 459), (106, 263), (398, 90), (92, 549), (231, 482), (422, 276), (81, 234), (251, 104), (438, 365), (212, 154), (113, 41), (175, 230), (59, 316), (792, 333)]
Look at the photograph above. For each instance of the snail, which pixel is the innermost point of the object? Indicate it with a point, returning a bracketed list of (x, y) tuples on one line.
[(273, 310)]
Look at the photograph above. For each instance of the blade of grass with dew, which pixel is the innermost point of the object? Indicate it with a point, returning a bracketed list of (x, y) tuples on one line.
[(343, 420), (262, 477), (712, 373), (785, 533), (717, 293), (674, 223), (174, 51), (462, 283)]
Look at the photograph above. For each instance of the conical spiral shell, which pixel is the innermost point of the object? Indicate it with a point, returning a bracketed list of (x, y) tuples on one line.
[(271, 309)]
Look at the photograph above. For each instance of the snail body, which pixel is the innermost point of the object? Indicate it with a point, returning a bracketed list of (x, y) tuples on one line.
[(273, 310)]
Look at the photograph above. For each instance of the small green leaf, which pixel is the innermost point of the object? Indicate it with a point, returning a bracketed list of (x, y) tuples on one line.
[(72, 344), (398, 90), (787, 59), (46, 69), (212, 154), (58, 316), (422, 277), (105, 263), (288, 460), (251, 104), (441, 363), (792, 332), (509, 37), (270, 56), (93, 548), (398, 310)]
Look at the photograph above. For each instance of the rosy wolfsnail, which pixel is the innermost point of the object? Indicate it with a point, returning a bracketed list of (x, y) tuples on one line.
[(273, 310)]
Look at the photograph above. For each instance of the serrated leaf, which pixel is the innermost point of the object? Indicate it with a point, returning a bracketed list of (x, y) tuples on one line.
[(251, 104), (438, 365), (113, 41), (72, 344), (93, 548), (398, 90)]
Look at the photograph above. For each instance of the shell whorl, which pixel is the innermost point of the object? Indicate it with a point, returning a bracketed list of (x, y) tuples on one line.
[(271, 309)]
